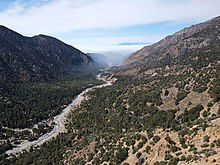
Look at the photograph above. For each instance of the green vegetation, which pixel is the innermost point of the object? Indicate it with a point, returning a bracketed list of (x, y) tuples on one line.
[(156, 139), (4, 146), (50, 153), (23, 105), (192, 114), (215, 89), (107, 126), (180, 96), (169, 140)]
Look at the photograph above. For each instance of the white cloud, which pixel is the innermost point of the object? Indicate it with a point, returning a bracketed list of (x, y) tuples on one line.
[(61, 16)]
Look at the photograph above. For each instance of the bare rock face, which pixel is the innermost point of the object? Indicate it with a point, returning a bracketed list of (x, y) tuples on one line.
[(38, 59), (181, 43)]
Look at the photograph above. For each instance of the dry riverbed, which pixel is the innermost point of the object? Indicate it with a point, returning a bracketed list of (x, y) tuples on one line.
[(60, 119)]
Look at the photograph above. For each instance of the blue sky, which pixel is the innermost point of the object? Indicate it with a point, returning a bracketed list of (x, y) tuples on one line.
[(102, 25)]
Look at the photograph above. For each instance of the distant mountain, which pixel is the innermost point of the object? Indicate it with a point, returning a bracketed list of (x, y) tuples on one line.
[(110, 57), (177, 48), (117, 57), (99, 58), (38, 59)]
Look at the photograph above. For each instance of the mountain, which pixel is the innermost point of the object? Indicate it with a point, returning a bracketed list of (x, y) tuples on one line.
[(99, 58), (38, 59), (110, 57), (164, 107), (182, 44), (116, 57)]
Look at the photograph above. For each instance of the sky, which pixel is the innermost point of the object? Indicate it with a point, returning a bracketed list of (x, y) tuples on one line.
[(105, 25)]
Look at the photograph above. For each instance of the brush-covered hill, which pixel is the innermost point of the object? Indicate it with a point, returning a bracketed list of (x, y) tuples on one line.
[(164, 107), (38, 75), (39, 59), (192, 47)]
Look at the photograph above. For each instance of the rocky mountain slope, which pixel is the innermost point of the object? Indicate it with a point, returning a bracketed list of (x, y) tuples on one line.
[(38, 59), (163, 109), (175, 47)]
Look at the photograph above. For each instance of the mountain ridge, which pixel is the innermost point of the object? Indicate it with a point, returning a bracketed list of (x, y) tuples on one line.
[(177, 42), (39, 58)]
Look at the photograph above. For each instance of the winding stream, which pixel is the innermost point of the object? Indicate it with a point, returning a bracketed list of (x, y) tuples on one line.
[(59, 120)]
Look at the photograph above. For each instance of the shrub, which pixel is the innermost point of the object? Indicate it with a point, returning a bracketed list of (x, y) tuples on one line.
[(201, 89), (206, 138), (156, 139), (141, 161), (140, 145), (150, 134), (121, 155), (205, 145), (169, 140), (184, 146), (205, 114), (173, 148), (189, 157), (192, 148), (217, 142), (147, 149), (183, 158), (210, 104), (212, 145), (173, 161), (138, 155), (168, 156), (166, 93), (90, 156), (180, 96), (192, 114), (210, 153)]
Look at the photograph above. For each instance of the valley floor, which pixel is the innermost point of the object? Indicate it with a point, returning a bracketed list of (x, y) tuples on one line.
[(59, 120)]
